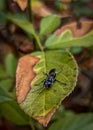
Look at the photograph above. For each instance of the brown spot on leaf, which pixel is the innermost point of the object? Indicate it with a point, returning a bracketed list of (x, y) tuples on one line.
[(24, 76), (44, 120)]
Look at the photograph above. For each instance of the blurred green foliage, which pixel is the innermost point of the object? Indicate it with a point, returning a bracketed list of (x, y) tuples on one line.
[(3, 5), (67, 120), (79, 8), (9, 108)]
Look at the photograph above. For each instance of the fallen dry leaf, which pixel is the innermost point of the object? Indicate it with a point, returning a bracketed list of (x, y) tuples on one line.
[(22, 4), (40, 9), (86, 26), (23, 43)]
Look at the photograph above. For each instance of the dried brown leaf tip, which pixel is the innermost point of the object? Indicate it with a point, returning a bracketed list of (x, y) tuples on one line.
[(24, 76), (86, 26), (44, 120), (66, 1), (22, 3)]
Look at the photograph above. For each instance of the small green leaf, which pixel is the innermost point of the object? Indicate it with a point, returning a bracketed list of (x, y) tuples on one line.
[(76, 50), (22, 22), (5, 95), (41, 104), (49, 24), (66, 39), (6, 83), (10, 64), (3, 73), (12, 112), (69, 121), (2, 5)]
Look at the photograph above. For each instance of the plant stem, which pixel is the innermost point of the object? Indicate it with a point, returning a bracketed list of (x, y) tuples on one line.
[(38, 42), (42, 49), (30, 11), (31, 20), (31, 125)]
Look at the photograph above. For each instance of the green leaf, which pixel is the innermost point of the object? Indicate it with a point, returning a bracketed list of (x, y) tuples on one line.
[(2, 5), (5, 95), (22, 22), (10, 64), (3, 73), (83, 11), (70, 121), (3, 19), (12, 112), (67, 40), (39, 104), (49, 24), (76, 50), (6, 83)]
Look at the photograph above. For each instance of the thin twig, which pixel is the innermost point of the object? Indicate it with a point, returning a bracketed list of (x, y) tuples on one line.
[(30, 11)]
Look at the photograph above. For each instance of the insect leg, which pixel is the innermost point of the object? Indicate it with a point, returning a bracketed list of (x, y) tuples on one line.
[(40, 82), (60, 82), (39, 90), (45, 73)]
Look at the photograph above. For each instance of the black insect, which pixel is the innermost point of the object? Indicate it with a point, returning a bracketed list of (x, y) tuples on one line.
[(49, 81)]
